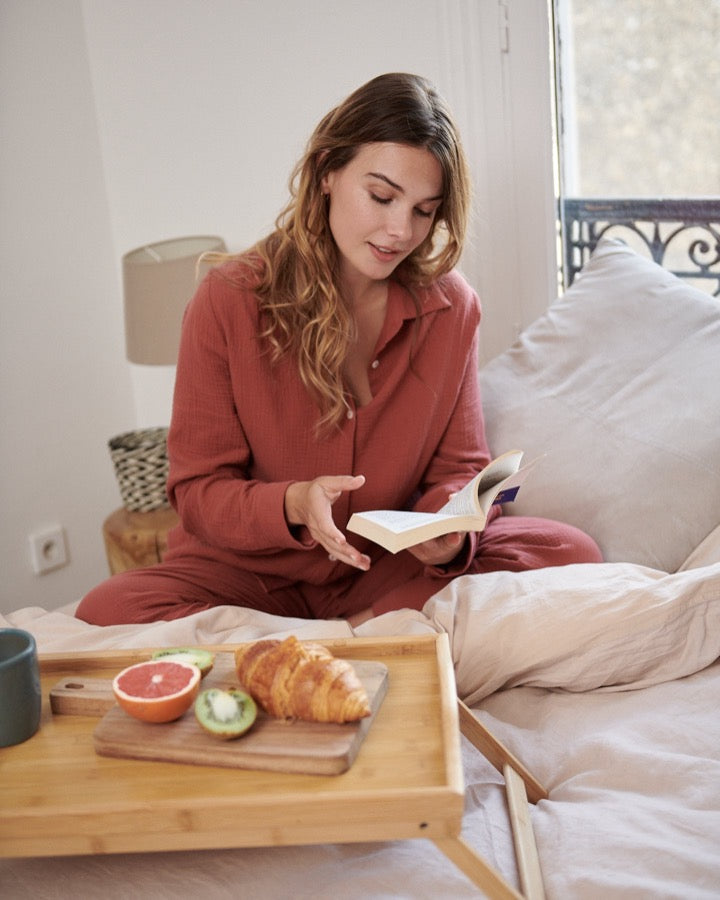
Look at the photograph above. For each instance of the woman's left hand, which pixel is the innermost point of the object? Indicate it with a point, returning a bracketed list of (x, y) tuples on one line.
[(439, 551)]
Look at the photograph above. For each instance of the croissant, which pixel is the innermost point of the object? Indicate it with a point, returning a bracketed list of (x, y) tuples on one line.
[(290, 679)]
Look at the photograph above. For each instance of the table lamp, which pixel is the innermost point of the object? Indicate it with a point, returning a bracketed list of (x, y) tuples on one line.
[(158, 280)]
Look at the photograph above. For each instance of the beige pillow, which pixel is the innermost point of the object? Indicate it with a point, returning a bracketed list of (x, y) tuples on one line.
[(619, 385), (615, 626)]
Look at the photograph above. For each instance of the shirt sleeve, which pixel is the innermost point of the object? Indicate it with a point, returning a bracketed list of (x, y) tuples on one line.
[(209, 482)]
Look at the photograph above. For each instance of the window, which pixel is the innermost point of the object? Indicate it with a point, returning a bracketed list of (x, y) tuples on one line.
[(639, 128)]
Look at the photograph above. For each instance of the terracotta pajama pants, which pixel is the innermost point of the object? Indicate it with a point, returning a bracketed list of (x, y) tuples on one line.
[(180, 587)]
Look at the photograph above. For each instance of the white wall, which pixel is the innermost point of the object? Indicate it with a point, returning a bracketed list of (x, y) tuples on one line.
[(142, 120), (64, 387)]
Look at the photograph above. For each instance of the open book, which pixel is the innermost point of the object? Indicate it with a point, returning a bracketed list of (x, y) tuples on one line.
[(467, 510)]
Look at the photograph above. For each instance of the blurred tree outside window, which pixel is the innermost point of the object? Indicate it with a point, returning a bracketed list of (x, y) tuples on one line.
[(639, 97)]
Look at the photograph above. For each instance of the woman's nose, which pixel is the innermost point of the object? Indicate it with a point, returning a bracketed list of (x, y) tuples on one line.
[(399, 223)]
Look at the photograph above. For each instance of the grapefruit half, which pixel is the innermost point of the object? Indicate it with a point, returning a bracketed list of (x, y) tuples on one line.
[(157, 690)]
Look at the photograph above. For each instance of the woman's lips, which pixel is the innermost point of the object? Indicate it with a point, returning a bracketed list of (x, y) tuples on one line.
[(384, 254)]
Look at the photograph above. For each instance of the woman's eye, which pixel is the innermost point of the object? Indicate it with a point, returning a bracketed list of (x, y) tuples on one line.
[(384, 201)]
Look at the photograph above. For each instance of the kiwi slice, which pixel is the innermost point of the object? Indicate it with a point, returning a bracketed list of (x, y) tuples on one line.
[(225, 714), (203, 659)]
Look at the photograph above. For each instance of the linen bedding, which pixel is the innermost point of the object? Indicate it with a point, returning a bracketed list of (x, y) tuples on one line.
[(604, 680)]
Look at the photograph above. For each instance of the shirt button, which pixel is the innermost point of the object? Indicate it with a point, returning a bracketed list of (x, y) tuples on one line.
[(350, 414), (375, 363)]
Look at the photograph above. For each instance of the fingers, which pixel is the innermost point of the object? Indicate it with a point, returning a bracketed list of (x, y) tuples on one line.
[(440, 550), (322, 525), (335, 485), (342, 551)]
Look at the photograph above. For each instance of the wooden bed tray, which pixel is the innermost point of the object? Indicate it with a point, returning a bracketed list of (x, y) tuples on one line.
[(60, 798)]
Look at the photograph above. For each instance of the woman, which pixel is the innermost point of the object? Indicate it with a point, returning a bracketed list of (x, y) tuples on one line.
[(332, 369)]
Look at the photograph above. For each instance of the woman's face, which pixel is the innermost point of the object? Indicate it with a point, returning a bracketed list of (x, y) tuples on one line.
[(382, 206)]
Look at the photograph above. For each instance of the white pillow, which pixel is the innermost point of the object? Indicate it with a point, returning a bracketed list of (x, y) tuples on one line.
[(615, 626), (619, 385)]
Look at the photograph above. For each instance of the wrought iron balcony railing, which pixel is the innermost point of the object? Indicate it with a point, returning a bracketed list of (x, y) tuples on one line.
[(683, 236)]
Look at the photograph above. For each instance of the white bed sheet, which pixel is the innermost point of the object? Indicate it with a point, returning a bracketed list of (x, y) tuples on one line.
[(633, 768)]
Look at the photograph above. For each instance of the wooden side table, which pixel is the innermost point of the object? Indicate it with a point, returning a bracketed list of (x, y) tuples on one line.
[(137, 539)]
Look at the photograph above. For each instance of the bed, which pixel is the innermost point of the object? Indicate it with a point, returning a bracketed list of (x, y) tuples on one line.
[(604, 680)]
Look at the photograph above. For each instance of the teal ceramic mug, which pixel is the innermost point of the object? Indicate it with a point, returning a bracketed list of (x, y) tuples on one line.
[(20, 694)]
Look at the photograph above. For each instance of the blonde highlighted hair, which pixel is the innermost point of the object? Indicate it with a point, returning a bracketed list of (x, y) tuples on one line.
[(297, 265)]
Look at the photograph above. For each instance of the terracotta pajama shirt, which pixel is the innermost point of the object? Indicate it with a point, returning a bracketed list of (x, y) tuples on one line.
[(243, 429)]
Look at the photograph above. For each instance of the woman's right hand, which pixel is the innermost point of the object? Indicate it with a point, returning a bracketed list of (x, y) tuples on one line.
[(309, 503)]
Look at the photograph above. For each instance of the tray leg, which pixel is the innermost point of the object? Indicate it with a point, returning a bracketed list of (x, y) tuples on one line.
[(476, 869), (496, 752), (520, 785), (526, 855)]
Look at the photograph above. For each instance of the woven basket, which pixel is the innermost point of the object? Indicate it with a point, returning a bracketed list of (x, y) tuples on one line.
[(141, 467)]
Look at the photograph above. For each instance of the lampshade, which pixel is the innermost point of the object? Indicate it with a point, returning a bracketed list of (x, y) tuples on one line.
[(159, 280)]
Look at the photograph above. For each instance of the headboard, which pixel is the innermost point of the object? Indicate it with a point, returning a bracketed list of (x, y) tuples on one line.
[(682, 235)]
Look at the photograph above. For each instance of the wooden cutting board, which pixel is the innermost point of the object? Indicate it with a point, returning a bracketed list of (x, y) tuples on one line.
[(279, 745)]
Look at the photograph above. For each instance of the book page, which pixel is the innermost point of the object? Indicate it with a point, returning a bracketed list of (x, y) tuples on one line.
[(500, 468), (494, 484), (464, 503), (506, 490), (397, 520)]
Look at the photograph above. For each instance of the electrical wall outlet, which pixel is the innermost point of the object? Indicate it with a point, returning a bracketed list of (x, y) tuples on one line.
[(48, 549)]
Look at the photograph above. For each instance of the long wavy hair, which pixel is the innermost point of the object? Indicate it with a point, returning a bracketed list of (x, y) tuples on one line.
[(297, 265)]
